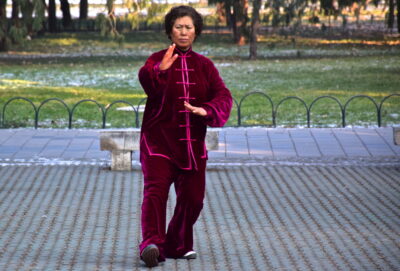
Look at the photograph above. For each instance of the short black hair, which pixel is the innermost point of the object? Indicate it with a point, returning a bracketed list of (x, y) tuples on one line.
[(179, 12)]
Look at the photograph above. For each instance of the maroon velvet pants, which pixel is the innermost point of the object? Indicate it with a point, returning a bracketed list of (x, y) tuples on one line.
[(159, 173)]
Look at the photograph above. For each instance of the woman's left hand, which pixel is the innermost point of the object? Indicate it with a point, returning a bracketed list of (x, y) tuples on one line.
[(195, 110)]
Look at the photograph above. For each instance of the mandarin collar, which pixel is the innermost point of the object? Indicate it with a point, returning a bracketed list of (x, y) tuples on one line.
[(180, 52)]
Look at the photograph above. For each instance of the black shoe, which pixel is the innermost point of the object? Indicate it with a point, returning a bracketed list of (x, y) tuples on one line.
[(190, 255), (150, 255)]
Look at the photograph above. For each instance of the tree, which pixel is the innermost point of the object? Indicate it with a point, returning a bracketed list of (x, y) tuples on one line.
[(294, 9), (52, 20), (65, 9), (229, 13), (390, 19), (33, 24), (398, 16), (276, 17), (15, 10), (4, 39), (83, 9), (255, 23), (107, 24), (32, 21), (240, 8), (236, 17), (221, 14), (27, 16)]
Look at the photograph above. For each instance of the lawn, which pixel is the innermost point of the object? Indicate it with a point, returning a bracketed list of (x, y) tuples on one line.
[(106, 72)]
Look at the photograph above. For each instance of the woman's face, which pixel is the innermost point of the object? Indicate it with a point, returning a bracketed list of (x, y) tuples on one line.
[(183, 33)]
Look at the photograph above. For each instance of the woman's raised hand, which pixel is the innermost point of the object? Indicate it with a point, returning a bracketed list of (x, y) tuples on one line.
[(168, 59)]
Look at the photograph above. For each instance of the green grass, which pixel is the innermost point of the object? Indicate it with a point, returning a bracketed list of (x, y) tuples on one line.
[(307, 79), (212, 43), (110, 78)]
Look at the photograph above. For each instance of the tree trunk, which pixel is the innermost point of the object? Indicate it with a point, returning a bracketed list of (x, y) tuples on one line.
[(113, 20), (391, 15), (15, 10), (44, 29), (27, 15), (221, 13), (228, 14), (255, 23), (83, 9), (3, 26), (3, 13), (240, 8), (66, 19), (357, 10), (344, 21), (398, 16), (233, 20), (52, 20), (110, 6), (275, 13)]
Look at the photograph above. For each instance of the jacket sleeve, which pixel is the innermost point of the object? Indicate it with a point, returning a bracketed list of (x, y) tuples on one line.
[(151, 78), (219, 106)]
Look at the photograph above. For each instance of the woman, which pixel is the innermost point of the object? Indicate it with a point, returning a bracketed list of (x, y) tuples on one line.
[(184, 94)]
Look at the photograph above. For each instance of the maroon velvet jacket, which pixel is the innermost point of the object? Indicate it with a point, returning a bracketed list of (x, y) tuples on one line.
[(170, 131)]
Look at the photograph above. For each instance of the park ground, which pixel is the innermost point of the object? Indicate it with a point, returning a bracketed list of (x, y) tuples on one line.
[(296, 207), (311, 199), (77, 66)]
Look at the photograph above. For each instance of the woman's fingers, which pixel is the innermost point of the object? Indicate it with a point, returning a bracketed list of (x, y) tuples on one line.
[(168, 59), (188, 106), (195, 110), (170, 50), (174, 58)]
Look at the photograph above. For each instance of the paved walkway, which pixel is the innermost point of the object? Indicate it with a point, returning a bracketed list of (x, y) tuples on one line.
[(255, 218), (236, 145), (276, 199)]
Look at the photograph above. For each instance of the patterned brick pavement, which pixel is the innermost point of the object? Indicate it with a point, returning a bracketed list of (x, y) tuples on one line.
[(255, 218)]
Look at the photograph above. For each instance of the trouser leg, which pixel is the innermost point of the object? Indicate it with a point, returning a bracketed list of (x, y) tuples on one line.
[(190, 190), (158, 176)]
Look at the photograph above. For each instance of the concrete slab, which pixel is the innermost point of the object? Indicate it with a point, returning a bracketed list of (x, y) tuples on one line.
[(21, 154), (70, 154), (59, 142), (5, 135), (32, 148), (216, 156), (387, 135), (35, 141), (332, 152), (17, 140), (52, 153), (284, 153), (259, 146), (235, 143), (308, 152), (350, 142)]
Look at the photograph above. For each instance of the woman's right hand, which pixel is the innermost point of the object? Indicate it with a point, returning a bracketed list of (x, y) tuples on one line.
[(168, 59)]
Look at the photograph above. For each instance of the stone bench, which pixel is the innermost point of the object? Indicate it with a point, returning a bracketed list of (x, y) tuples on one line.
[(122, 143), (396, 135)]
